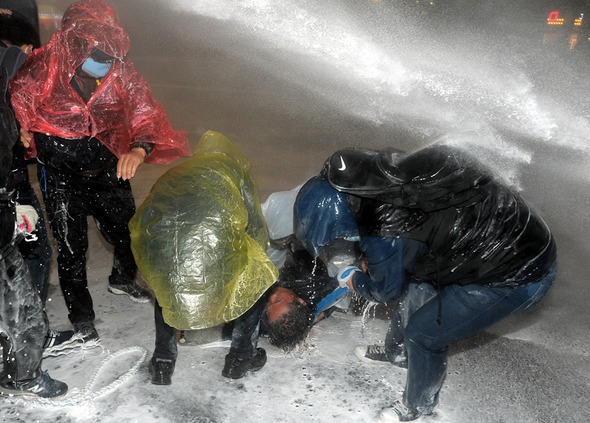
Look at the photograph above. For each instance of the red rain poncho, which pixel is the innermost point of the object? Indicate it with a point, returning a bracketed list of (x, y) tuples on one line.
[(121, 110)]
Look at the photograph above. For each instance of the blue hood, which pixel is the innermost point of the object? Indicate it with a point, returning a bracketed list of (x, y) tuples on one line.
[(322, 215)]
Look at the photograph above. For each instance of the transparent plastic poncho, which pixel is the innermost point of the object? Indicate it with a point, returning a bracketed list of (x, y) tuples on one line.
[(120, 112), (199, 238)]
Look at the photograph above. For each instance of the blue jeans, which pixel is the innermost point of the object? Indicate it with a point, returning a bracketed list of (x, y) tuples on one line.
[(464, 311)]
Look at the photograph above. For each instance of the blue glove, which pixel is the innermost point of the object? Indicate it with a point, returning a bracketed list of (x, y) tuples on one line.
[(345, 274)]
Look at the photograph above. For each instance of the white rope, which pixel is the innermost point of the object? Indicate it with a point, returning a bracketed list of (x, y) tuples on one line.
[(86, 395), (72, 347)]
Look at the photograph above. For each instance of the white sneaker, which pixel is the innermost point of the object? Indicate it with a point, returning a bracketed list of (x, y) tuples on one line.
[(398, 412)]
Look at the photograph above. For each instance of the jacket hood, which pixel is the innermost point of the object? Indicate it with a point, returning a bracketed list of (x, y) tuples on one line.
[(91, 24), (215, 143), (322, 215), (433, 178)]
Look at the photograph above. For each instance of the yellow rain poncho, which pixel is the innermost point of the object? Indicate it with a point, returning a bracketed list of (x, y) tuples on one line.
[(199, 238)]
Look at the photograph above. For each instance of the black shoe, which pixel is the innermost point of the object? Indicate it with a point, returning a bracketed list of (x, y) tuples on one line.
[(56, 342), (136, 294), (372, 354), (55, 338), (375, 354), (236, 368), (86, 331), (161, 371), (43, 386)]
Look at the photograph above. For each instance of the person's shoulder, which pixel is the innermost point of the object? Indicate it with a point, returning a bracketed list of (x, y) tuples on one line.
[(11, 58)]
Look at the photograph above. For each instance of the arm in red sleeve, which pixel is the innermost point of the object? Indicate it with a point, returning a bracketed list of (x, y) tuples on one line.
[(148, 120)]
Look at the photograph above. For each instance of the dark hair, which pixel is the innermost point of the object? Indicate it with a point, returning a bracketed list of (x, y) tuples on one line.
[(17, 31), (291, 328)]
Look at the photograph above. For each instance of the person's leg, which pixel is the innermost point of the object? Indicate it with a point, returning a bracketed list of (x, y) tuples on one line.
[(533, 293), (165, 352), (244, 356), (37, 257), (413, 298), (245, 332), (166, 347), (113, 206), (464, 311), (23, 326), (67, 218), (394, 350), (37, 254), (23, 320)]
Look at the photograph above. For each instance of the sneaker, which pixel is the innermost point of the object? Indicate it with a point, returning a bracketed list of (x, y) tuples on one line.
[(57, 342), (398, 412), (372, 354), (86, 331), (54, 338), (136, 294), (236, 368), (43, 386), (375, 354), (161, 371), (62, 343)]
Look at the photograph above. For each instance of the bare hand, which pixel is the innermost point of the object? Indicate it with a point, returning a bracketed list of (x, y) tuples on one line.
[(25, 137), (129, 162), (350, 285), (364, 269), (364, 265)]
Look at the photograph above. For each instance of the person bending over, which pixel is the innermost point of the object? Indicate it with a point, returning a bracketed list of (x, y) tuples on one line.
[(199, 240), (439, 232)]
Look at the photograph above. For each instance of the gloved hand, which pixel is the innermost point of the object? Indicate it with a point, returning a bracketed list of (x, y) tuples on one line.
[(345, 274), (26, 218)]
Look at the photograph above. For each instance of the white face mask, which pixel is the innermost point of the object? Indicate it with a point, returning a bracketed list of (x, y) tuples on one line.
[(96, 69)]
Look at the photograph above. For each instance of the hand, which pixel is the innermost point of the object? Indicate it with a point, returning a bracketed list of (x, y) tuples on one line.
[(364, 267), (129, 162), (26, 218), (25, 137)]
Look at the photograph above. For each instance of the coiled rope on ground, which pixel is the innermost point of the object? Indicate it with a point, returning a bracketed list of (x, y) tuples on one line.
[(86, 395)]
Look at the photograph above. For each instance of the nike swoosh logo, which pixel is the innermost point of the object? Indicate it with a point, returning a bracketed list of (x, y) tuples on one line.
[(343, 167)]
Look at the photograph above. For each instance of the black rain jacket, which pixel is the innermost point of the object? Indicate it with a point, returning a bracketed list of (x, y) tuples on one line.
[(477, 229)]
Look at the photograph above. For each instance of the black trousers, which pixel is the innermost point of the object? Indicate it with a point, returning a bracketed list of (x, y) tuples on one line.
[(69, 200), (37, 254), (23, 322), (244, 335)]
